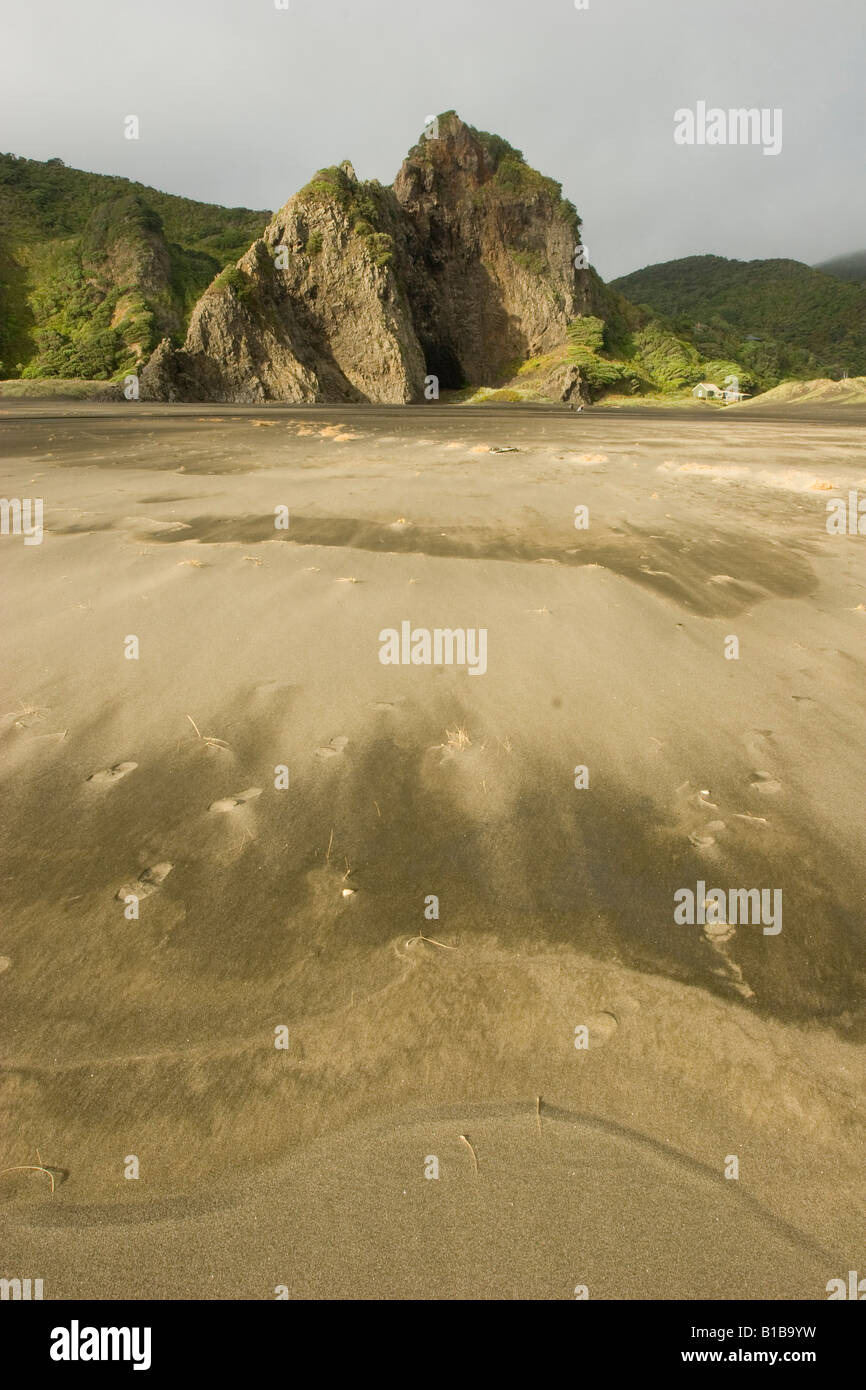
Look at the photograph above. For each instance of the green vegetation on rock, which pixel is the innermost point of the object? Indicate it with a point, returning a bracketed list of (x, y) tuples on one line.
[(233, 279), (535, 262), (515, 181), (365, 206), (587, 332)]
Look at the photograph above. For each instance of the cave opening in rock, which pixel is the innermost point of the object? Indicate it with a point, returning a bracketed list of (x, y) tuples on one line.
[(443, 363)]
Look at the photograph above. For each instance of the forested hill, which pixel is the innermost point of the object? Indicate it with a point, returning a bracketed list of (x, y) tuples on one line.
[(780, 317), (94, 268)]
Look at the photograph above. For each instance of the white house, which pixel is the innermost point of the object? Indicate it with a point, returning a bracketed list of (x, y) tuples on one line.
[(706, 390)]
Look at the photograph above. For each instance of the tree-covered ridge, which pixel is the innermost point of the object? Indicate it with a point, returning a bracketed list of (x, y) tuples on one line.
[(94, 268), (779, 318), (45, 199)]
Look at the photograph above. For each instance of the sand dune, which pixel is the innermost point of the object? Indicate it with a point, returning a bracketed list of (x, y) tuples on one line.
[(821, 391)]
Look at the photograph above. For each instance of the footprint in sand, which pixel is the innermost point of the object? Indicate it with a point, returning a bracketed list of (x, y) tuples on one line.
[(759, 744), (765, 783), (156, 874), (148, 882), (26, 718), (228, 803), (702, 839), (717, 934), (107, 775), (602, 1027), (334, 748)]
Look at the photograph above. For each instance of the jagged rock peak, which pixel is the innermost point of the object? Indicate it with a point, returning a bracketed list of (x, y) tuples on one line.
[(453, 158)]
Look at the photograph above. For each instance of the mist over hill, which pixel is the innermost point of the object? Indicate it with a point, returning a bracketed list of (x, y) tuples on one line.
[(849, 267)]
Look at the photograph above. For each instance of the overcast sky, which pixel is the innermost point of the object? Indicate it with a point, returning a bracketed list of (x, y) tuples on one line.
[(239, 103)]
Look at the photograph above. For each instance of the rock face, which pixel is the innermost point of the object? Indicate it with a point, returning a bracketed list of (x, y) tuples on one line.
[(357, 292), (314, 311), (123, 243), (125, 259), (567, 385), (492, 279)]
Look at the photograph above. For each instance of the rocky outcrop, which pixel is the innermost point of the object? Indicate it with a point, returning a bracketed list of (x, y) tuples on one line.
[(169, 375), (357, 292), (124, 244), (313, 312), (493, 247), (125, 258), (568, 386)]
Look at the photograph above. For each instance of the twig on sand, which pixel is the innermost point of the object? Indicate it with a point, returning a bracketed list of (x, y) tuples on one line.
[(28, 712), (330, 842), (472, 1151), (458, 738), (538, 1112), (430, 942), (207, 738), (30, 1168)]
